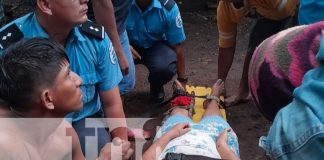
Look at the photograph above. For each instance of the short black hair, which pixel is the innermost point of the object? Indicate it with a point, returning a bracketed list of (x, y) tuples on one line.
[(26, 67)]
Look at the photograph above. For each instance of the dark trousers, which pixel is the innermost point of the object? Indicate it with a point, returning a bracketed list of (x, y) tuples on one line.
[(160, 60), (100, 133), (265, 28)]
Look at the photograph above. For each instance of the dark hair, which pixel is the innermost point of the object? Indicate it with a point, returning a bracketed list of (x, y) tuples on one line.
[(28, 66)]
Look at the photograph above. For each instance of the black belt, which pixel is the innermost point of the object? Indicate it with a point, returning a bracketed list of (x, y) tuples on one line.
[(180, 156)]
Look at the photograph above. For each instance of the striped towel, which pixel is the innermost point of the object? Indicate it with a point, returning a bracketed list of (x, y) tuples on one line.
[(279, 64)]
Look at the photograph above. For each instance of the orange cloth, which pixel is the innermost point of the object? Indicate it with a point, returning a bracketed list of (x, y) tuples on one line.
[(228, 16)]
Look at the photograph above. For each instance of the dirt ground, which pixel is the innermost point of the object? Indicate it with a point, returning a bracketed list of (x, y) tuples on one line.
[(201, 67)]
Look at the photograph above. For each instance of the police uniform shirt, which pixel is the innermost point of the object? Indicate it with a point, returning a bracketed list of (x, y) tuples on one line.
[(93, 59), (156, 23)]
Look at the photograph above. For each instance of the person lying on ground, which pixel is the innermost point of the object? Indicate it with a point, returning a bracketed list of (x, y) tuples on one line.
[(211, 138)]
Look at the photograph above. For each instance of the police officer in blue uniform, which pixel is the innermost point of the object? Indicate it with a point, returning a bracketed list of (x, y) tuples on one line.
[(156, 33), (91, 56)]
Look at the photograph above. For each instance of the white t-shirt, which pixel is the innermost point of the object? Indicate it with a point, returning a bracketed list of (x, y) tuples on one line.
[(195, 142)]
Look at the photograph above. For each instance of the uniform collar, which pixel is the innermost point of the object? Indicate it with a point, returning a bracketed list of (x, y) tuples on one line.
[(39, 29), (75, 33), (156, 4)]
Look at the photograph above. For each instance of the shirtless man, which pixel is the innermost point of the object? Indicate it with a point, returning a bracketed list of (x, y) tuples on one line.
[(39, 89)]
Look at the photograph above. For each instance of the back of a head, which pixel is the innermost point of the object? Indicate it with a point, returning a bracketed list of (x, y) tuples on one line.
[(28, 66)]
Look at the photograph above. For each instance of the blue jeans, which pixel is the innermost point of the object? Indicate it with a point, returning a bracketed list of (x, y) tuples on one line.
[(128, 82), (297, 131)]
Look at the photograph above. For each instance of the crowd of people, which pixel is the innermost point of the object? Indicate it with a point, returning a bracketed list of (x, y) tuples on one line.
[(75, 59)]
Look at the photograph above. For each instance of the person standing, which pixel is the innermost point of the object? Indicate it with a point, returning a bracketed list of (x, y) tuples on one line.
[(270, 16), (112, 15)]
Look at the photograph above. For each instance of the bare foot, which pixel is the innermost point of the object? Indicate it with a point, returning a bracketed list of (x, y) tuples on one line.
[(178, 85), (218, 88), (237, 98)]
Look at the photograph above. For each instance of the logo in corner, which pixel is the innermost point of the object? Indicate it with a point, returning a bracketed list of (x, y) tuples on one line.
[(179, 21), (112, 54)]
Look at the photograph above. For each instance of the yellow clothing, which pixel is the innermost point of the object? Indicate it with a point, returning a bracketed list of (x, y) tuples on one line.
[(228, 16)]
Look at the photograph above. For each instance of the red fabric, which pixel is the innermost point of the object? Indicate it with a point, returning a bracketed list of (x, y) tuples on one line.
[(181, 101)]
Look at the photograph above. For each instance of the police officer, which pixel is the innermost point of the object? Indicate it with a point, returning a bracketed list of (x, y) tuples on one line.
[(91, 56), (156, 32)]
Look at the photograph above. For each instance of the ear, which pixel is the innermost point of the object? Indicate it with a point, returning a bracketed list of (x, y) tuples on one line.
[(44, 6), (47, 99)]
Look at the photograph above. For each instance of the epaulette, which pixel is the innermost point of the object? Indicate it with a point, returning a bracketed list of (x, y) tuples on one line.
[(9, 36), (168, 4), (93, 29)]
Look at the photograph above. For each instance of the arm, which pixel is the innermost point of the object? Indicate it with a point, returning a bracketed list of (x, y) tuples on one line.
[(104, 14), (76, 147), (181, 67), (227, 19), (113, 108), (157, 147)]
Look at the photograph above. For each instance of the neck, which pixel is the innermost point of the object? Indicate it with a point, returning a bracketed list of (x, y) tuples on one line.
[(38, 130), (143, 4), (54, 28)]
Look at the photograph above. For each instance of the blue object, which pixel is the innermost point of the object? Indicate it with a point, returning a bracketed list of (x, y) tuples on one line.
[(155, 24), (298, 129), (310, 11), (128, 82)]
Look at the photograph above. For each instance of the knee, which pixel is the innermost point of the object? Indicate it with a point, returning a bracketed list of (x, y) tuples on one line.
[(165, 71)]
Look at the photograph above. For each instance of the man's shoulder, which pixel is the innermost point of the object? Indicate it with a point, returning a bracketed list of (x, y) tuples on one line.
[(11, 32), (92, 30), (167, 4)]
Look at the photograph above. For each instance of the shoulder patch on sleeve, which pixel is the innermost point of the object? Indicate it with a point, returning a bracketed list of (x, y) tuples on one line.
[(179, 21), (10, 35), (168, 4), (93, 29)]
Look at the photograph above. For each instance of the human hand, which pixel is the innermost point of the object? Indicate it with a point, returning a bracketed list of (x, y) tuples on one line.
[(222, 139), (178, 130), (134, 53), (109, 151), (123, 63)]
